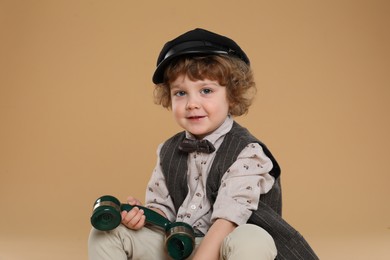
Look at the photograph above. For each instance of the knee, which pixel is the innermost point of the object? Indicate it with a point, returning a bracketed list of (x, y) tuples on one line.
[(252, 232), (104, 244), (97, 238), (250, 241)]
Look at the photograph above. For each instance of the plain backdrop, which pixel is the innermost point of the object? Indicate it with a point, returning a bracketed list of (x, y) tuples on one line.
[(77, 118)]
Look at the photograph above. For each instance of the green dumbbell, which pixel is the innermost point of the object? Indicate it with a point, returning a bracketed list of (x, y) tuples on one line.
[(179, 236)]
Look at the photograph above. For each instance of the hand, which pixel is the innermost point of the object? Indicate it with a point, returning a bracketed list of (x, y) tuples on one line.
[(135, 218)]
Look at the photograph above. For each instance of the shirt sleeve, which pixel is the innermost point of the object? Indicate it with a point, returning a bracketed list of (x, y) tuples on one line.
[(157, 195), (242, 184)]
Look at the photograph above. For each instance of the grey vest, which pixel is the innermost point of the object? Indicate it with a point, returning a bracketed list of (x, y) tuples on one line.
[(290, 244)]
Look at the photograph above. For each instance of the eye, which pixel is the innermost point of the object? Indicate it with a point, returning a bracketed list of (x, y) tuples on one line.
[(206, 91), (179, 93)]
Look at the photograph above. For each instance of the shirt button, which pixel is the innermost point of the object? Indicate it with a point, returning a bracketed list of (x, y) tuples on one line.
[(193, 207)]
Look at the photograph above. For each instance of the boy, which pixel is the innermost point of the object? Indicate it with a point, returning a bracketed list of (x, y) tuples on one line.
[(215, 175)]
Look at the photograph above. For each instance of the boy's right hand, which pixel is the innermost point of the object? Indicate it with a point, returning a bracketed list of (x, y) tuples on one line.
[(135, 218)]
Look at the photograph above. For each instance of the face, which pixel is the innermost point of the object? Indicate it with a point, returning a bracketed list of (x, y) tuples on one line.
[(200, 107)]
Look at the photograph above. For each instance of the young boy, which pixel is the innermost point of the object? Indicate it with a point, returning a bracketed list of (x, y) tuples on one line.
[(214, 175)]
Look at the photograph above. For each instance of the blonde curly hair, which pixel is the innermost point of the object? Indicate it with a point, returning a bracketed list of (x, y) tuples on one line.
[(228, 71)]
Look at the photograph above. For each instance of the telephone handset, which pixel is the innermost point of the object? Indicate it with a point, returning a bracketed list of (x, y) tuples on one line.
[(179, 236)]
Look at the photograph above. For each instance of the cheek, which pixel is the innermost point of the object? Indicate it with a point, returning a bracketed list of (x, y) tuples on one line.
[(174, 103), (176, 108), (223, 105)]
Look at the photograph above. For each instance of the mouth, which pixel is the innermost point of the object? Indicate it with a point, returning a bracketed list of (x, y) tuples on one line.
[(195, 117)]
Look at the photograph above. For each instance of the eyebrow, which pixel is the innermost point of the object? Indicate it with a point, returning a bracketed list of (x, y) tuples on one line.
[(174, 86)]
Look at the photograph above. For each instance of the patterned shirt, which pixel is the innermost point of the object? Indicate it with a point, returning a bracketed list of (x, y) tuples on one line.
[(238, 195)]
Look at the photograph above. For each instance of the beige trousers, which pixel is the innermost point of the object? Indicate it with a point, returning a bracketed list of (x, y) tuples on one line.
[(245, 242)]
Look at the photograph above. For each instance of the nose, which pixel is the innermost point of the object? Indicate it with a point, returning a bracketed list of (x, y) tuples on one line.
[(192, 103)]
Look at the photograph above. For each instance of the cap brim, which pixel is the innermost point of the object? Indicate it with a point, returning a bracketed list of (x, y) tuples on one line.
[(158, 76)]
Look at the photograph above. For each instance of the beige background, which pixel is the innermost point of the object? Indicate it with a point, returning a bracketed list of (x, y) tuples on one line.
[(78, 121)]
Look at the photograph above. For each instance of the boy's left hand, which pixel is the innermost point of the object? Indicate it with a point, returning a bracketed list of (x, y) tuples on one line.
[(135, 218)]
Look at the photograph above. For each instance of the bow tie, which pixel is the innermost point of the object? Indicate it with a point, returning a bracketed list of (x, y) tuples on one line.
[(202, 146)]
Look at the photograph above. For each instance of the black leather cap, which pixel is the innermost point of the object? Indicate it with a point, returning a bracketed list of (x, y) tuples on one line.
[(197, 41)]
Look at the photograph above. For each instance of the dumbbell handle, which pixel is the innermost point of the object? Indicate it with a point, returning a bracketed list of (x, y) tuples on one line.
[(152, 217)]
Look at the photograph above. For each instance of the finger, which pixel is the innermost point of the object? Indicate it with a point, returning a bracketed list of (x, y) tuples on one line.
[(141, 223), (123, 214), (129, 215), (133, 217), (135, 220)]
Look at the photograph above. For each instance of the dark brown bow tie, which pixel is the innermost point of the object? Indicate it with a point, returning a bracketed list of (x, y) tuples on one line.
[(203, 146)]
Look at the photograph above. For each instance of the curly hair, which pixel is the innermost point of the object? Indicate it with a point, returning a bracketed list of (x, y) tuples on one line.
[(228, 71)]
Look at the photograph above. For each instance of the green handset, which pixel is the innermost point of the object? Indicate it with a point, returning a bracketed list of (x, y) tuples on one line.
[(179, 236)]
